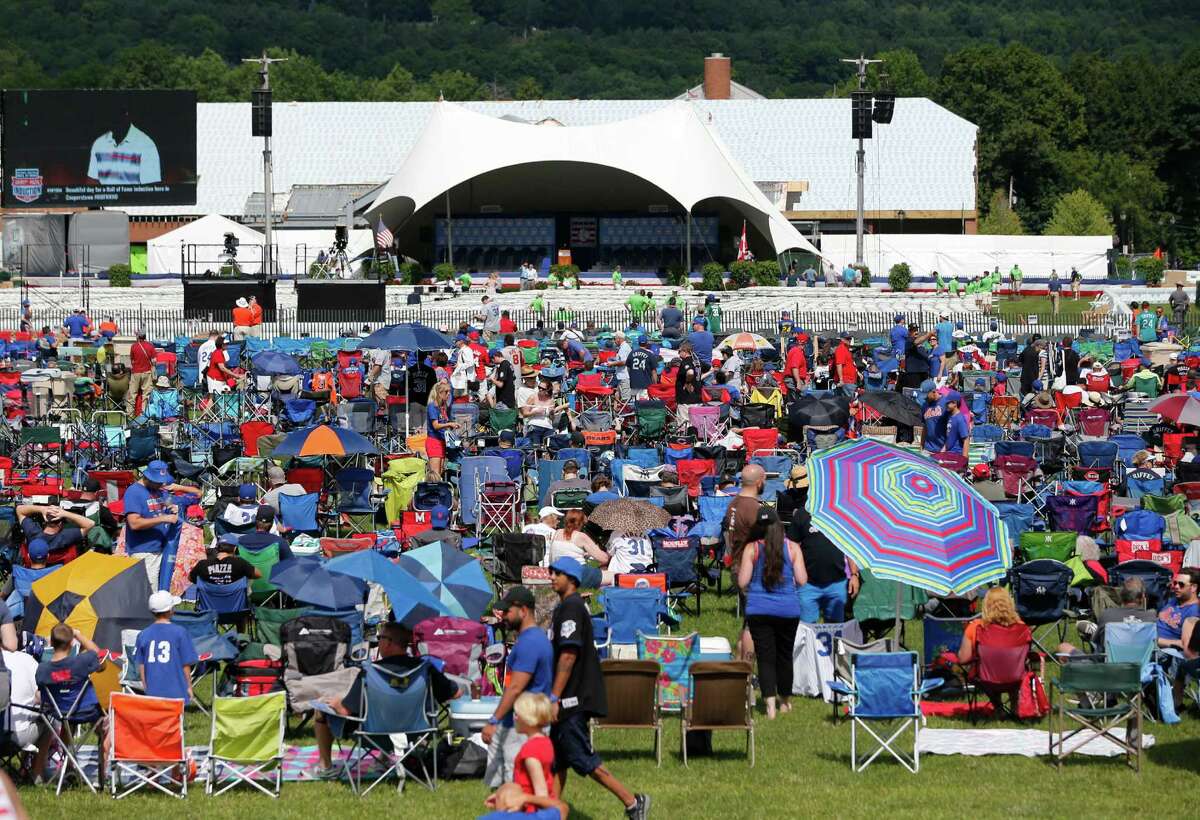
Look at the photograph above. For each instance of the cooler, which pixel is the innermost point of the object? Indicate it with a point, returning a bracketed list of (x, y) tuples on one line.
[(715, 649), (469, 715)]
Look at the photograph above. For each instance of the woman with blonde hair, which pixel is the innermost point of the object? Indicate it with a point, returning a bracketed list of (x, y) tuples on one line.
[(998, 610), (437, 423)]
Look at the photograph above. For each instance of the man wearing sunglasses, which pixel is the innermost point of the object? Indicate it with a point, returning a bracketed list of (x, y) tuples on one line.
[(1172, 616)]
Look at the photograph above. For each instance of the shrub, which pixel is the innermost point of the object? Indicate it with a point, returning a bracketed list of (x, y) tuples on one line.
[(443, 272), (383, 269), (766, 273), (676, 275), (899, 277), (712, 276), (119, 276), (4, 275), (411, 273), (560, 271), (1124, 267), (741, 273), (1150, 269), (866, 276)]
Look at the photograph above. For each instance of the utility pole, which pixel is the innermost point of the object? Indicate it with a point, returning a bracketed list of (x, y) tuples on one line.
[(262, 127), (861, 64)]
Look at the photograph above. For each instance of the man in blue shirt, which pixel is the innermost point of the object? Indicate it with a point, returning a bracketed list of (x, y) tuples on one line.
[(672, 320), (1186, 605), (643, 367), (531, 662), (958, 431), (702, 344), (77, 324), (61, 678), (945, 333), (898, 336), (164, 652), (150, 519), (574, 351), (934, 412)]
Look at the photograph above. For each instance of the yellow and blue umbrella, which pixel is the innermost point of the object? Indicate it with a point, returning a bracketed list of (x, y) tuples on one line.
[(454, 577), (324, 440), (905, 518), (100, 595)]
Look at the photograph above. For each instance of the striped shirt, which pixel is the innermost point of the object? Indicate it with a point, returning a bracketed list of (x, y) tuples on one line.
[(132, 161)]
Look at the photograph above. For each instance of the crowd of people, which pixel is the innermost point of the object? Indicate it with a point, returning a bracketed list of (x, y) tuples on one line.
[(535, 392)]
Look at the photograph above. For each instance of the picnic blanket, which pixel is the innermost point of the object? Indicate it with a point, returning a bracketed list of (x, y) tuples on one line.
[(1024, 742)]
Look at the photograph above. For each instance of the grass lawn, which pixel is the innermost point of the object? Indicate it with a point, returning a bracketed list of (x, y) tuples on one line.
[(802, 770), (1018, 308)]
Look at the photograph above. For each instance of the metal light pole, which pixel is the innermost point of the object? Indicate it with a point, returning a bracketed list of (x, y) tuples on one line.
[(861, 64), (264, 73)]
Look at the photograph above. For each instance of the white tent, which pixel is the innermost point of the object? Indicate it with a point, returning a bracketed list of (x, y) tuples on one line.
[(202, 241), (672, 148), (297, 249), (970, 255)]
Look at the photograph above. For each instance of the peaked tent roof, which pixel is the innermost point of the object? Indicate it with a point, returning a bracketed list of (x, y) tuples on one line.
[(671, 148), (162, 253)]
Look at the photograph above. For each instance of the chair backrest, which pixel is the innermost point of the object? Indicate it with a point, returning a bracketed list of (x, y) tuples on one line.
[(514, 550), (721, 694), (397, 702), (1101, 678), (678, 558), (1002, 653), (249, 729), (885, 683), (1040, 590), (631, 688), (459, 643), (1057, 546), (315, 644), (354, 488), (198, 623), (262, 560), (941, 635), (223, 599), (1155, 577), (632, 610), (1130, 641), (145, 729), (675, 655), (268, 622), (299, 512)]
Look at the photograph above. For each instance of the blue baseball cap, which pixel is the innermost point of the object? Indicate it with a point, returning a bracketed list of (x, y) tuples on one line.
[(439, 516), (643, 339), (899, 317), (567, 565), (156, 472), (247, 491), (38, 549)]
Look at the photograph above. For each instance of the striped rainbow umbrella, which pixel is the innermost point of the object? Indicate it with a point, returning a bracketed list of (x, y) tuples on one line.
[(905, 518), (323, 440)]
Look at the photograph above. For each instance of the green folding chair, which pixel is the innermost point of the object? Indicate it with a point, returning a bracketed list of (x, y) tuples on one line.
[(1117, 689), (261, 589), (265, 631), (502, 419), (246, 743)]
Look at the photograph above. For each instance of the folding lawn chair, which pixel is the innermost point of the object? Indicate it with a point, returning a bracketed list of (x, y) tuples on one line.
[(1118, 688), (298, 513), (628, 612), (230, 602), (675, 656), (722, 700), (146, 744), (632, 690), (1001, 660), (1041, 592), (679, 558), (885, 687), (67, 709), (394, 703)]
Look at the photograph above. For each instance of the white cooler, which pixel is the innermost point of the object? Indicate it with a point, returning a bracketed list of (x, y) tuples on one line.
[(715, 649), (469, 716)]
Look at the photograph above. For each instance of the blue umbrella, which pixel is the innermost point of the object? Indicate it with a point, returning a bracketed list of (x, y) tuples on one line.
[(310, 581), (274, 363), (411, 601), (406, 336), (453, 576)]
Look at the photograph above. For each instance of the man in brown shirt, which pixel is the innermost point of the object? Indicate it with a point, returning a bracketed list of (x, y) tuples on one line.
[(739, 518)]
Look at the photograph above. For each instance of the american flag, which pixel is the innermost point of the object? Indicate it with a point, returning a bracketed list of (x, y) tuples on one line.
[(383, 237)]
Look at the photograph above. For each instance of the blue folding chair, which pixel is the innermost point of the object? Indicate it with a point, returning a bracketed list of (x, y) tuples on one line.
[(628, 611), (1099, 454), (299, 512), (645, 457), (23, 578), (1013, 448), (72, 705), (1140, 483), (354, 499), (712, 510), (212, 647), (353, 617), (230, 602), (581, 456), (1133, 641), (394, 703), (885, 687), (679, 558), (777, 469)]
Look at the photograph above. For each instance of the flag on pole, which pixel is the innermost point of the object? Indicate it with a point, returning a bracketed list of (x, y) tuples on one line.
[(743, 246), (383, 237)]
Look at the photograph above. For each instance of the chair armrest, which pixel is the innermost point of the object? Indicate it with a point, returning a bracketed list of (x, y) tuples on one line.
[(325, 708), (842, 688), (928, 685)]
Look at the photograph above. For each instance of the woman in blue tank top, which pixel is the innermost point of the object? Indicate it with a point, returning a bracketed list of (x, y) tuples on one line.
[(771, 569)]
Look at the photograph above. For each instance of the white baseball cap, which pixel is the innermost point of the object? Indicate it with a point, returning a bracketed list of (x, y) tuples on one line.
[(163, 601), (548, 511)]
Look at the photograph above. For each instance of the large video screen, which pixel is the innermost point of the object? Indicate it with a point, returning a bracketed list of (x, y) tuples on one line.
[(97, 148)]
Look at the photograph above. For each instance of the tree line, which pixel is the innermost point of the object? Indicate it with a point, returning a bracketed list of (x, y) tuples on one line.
[(1095, 98)]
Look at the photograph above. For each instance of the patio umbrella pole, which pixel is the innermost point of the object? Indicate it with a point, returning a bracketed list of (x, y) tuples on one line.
[(896, 631)]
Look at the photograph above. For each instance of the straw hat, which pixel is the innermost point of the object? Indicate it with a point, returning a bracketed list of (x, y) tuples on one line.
[(1043, 400)]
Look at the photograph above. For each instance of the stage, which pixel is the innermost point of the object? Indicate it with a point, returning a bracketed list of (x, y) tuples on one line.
[(214, 297)]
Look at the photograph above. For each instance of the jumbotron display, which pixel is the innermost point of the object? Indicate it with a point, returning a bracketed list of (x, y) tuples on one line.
[(98, 148)]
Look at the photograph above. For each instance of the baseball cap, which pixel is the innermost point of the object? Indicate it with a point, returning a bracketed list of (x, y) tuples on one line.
[(264, 515), (247, 491), (548, 511), (845, 334), (567, 565), (90, 485), (899, 317), (38, 549), (156, 472), (229, 539), (643, 339), (508, 436), (439, 516), (516, 596), (276, 475), (163, 601)]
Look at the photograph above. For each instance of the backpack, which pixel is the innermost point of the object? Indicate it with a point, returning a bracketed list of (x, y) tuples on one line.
[(254, 677), (1032, 702)]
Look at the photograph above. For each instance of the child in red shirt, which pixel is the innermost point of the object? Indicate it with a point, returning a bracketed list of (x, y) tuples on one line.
[(533, 769)]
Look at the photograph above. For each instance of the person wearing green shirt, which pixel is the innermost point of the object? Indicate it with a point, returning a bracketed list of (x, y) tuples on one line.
[(1016, 276), (538, 304), (564, 315), (952, 285), (464, 281), (616, 276), (651, 305), (939, 284), (637, 304)]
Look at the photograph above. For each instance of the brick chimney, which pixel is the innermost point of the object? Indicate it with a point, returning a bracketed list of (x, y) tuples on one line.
[(717, 73)]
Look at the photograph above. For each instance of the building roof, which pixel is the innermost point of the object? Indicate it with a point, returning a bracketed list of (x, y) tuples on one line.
[(923, 161), (737, 91)]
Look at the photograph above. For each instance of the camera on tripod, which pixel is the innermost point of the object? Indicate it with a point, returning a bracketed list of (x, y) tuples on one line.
[(231, 244), (340, 239)]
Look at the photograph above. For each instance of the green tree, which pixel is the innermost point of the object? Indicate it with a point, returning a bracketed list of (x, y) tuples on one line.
[(528, 89), (18, 69), (453, 12), (1000, 218), (1078, 214), (456, 85)]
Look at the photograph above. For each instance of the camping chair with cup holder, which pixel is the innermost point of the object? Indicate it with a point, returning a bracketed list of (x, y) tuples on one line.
[(1100, 698), (1041, 592)]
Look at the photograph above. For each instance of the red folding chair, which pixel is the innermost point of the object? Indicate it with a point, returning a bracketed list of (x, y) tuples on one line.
[(1093, 422), (1191, 489), (1006, 410), (145, 745), (1173, 447), (252, 431), (312, 479), (954, 462), (332, 547), (664, 392), (759, 438), (591, 393), (691, 470), (1149, 550), (1044, 416)]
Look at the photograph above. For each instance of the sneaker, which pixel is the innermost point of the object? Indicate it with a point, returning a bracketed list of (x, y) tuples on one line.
[(640, 808), (1087, 629), (322, 773)]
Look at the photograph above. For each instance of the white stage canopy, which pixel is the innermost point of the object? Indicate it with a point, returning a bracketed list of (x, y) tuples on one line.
[(163, 252), (970, 255), (672, 148), (296, 249)]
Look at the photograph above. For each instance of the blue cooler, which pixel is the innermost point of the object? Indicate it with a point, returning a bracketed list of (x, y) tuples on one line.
[(468, 715)]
